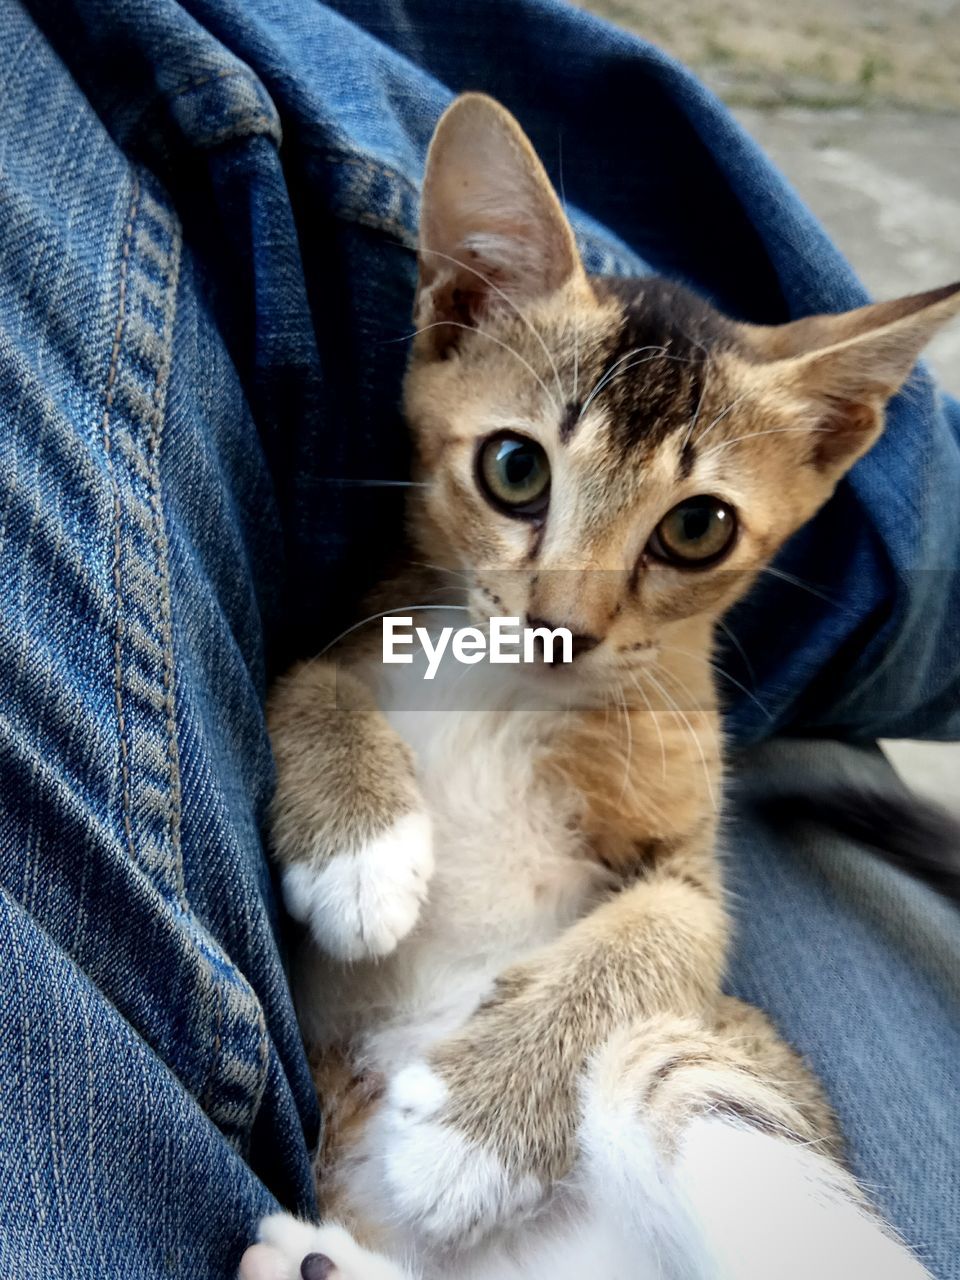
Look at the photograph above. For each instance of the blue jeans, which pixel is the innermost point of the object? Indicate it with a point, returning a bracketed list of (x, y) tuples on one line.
[(207, 215)]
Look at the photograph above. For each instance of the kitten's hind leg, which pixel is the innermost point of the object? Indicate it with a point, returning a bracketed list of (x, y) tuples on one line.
[(739, 1176), (348, 823), (289, 1249)]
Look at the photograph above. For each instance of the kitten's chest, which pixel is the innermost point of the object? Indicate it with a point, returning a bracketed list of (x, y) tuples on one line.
[(512, 865)]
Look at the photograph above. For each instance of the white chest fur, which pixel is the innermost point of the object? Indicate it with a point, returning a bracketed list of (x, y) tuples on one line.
[(510, 869)]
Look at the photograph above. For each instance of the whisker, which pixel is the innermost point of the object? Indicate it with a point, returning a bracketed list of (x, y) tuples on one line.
[(403, 608), (703, 391), (441, 568), (722, 414), (576, 360), (510, 303), (576, 327), (687, 692), (605, 379), (740, 649), (771, 431), (798, 582), (347, 483), (656, 723), (629, 728), (677, 710), (670, 648), (661, 354), (469, 328)]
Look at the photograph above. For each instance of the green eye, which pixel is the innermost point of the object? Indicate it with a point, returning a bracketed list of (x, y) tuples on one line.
[(695, 533), (514, 475)]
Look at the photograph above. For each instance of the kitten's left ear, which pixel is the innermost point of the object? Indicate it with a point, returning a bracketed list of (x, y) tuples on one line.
[(847, 366), (490, 220)]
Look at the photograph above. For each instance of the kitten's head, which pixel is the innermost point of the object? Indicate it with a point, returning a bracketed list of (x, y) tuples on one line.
[(615, 456)]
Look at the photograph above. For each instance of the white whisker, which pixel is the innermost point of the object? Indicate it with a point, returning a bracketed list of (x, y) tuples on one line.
[(629, 728), (440, 568), (469, 328), (798, 582), (576, 327), (689, 653), (740, 649), (771, 431), (656, 723), (510, 303), (677, 710), (605, 379), (703, 391), (722, 414), (379, 484), (403, 608)]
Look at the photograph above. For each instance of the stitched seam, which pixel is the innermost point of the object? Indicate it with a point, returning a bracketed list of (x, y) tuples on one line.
[(362, 218), (225, 73), (206, 1097), (105, 428), (254, 127), (161, 547), (373, 166)]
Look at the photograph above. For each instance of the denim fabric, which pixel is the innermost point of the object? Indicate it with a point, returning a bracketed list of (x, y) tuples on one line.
[(861, 967), (207, 215)]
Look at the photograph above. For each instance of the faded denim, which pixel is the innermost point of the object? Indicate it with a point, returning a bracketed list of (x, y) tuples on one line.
[(207, 215)]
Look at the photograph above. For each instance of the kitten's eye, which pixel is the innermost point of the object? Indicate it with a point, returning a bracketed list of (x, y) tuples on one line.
[(514, 475), (695, 533)]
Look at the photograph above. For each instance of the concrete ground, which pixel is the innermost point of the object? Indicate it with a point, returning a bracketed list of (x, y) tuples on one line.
[(859, 105)]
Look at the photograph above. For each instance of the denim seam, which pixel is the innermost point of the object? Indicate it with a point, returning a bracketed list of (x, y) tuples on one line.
[(163, 574), (233, 1032), (361, 216), (187, 86), (126, 803), (256, 127), (143, 648), (206, 1096)]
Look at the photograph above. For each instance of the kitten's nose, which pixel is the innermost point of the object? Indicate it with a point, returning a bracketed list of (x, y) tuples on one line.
[(579, 643)]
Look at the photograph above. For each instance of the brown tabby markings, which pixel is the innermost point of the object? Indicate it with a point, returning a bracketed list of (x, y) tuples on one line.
[(768, 419)]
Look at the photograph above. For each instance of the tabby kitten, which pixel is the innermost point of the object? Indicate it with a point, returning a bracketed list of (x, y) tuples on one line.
[(517, 931)]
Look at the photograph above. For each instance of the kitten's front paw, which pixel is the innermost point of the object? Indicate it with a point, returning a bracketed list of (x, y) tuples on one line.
[(362, 904), (289, 1249), (445, 1184)]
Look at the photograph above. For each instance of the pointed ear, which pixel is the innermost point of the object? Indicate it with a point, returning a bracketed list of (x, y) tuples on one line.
[(490, 222), (848, 366)]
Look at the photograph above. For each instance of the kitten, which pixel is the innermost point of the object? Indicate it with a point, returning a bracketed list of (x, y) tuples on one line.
[(516, 919)]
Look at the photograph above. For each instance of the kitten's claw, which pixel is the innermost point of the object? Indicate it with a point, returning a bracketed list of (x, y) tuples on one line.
[(317, 1266), (292, 1250), (449, 1189), (361, 905)]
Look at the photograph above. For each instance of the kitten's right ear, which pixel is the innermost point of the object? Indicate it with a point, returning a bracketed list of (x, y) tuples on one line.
[(847, 366), (490, 224)]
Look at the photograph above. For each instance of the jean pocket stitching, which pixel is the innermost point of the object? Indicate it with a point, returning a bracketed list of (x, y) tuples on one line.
[(106, 428), (133, 421)]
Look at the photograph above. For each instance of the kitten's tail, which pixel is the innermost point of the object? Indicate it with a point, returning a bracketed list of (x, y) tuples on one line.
[(906, 829)]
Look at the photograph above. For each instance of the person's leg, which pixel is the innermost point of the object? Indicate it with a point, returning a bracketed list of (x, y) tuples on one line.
[(859, 966), (138, 562), (154, 1095)]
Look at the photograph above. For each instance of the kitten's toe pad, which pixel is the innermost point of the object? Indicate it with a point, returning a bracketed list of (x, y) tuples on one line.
[(446, 1187), (293, 1250), (363, 904)]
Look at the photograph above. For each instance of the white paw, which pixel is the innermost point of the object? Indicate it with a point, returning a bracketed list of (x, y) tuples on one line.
[(362, 904), (440, 1183), (294, 1250)]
